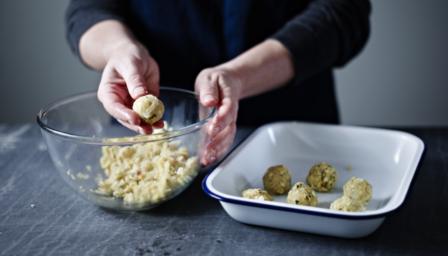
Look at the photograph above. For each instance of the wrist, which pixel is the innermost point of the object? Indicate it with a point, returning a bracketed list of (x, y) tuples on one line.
[(262, 68), (236, 76), (119, 47)]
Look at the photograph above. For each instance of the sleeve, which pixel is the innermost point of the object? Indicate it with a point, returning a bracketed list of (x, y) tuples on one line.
[(327, 34), (83, 14)]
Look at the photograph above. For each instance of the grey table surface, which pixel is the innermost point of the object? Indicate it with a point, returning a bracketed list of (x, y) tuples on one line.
[(40, 215)]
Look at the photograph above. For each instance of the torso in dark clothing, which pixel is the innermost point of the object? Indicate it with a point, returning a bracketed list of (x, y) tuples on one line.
[(187, 36)]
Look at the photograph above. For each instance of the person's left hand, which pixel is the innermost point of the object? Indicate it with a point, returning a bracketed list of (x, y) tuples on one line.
[(221, 88)]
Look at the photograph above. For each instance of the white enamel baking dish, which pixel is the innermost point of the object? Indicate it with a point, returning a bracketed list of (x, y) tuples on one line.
[(387, 159)]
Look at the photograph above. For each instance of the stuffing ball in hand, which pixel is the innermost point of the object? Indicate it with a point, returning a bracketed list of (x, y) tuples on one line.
[(149, 108)]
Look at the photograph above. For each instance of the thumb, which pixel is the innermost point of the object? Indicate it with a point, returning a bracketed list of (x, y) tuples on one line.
[(207, 87), (133, 75)]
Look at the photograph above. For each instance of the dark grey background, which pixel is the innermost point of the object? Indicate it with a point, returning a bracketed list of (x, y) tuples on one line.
[(399, 79)]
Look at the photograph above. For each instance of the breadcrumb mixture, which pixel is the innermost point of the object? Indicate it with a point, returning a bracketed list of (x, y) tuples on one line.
[(146, 172)]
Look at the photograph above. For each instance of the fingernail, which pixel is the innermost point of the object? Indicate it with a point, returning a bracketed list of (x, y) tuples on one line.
[(208, 98), (134, 121), (211, 155), (139, 91)]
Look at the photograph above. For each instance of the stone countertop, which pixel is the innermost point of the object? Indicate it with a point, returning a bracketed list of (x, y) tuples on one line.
[(40, 214)]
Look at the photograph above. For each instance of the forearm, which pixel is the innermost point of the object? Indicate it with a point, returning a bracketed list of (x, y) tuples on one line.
[(262, 68), (98, 42), (327, 34)]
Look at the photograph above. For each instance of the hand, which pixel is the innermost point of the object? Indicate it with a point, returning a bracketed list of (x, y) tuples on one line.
[(130, 72), (221, 88)]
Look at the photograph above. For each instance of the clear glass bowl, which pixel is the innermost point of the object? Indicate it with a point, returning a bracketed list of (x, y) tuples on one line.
[(78, 129)]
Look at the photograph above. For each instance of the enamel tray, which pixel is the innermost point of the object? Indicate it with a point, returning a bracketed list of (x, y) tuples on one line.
[(387, 159)]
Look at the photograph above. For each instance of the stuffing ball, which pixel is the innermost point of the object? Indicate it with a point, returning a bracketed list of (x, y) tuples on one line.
[(257, 194), (357, 193), (302, 194), (149, 108), (358, 189), (346, 204), (277, 180), (322, 177)]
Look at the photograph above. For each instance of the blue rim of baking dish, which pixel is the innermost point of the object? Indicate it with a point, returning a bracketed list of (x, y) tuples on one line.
[(305, 211)]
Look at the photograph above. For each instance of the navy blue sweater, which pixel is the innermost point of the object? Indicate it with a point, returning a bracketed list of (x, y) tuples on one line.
[(186, 36)]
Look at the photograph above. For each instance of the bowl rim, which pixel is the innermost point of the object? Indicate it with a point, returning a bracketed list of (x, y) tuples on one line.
[(123, 140)]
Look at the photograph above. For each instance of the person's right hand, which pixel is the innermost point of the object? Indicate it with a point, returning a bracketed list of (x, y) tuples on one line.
[(130, 72)]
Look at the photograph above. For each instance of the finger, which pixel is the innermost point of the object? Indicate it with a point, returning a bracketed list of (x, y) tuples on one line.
[(121, 112), (142, 129), (224, 148), (135, 128), (114, 98), (219, 145), (205, 155), (159, 124), (228, 108), (227, 114), (133, 73), (134, 123), (145, 128), (214, 154), (207, 87), (225, 135)]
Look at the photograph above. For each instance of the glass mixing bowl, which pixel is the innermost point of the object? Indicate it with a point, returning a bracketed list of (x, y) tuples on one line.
[(80, 134)]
